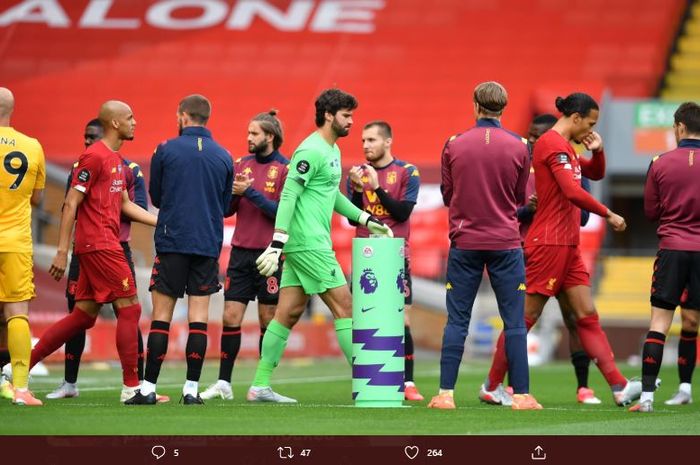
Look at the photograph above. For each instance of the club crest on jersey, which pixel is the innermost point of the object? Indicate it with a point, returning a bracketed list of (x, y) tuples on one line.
[(84, 175), (391, 178), (368, 281), (125, 284), (272, 172)]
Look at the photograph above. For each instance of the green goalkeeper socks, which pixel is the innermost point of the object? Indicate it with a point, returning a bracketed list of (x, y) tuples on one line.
[(343, 330), (274, 343)]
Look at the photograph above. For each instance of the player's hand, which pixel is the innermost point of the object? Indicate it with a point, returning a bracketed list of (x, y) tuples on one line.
[(372, 177), (268, 261), (532, 203), (593, 142), (239, 187), (375, 225), (616, 221), (355, 175), (58, 266)]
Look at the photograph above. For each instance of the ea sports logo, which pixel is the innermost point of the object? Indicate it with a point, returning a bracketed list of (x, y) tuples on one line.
[(367, 251)]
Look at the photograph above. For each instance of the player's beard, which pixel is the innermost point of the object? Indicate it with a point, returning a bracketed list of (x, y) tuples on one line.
[(375, 155), (339, 130), (258, 149)]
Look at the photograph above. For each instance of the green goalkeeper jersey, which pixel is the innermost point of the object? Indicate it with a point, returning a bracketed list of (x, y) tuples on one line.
[(315, 165)]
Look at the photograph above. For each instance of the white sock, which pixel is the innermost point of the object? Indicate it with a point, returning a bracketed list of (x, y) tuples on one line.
[(409, 384), (191, 388), (646, 396), (147, 387), (684, 387), (447, 391), (223, 383)]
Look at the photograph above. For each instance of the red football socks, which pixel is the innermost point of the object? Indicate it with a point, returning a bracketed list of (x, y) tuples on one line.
[(60, 332), (596, 345), (127, 342)]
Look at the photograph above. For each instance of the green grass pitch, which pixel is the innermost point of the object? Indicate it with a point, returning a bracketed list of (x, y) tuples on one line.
[(323, 389)]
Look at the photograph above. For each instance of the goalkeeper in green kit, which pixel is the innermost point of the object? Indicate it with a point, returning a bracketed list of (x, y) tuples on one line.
[(303, 230)]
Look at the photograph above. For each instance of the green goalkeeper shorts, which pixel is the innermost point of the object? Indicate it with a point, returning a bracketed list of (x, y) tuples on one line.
[(315, 271)]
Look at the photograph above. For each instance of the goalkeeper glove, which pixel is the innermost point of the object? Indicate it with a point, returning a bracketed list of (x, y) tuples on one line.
[(268, 261), (375, 225)]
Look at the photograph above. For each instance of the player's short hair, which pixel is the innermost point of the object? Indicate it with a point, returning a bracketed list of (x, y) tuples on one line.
[(491, 97), (270, 124), (578, 102), (331, 101), (95, 122), (688, 113), (382, 126), (197, 108), (546, 119)]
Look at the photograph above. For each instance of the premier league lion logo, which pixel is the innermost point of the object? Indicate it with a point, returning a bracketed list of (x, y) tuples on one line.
[(401, 282), (368, 281)]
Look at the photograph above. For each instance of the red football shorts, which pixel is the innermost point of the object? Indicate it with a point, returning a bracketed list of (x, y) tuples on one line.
[(104, 277), (549, 269)]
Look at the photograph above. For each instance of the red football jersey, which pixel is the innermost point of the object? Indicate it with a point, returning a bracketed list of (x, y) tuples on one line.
[(99, 175), (560, 197)]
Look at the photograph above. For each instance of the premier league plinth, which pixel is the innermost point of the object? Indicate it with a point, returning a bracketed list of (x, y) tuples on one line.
[(378, 322)]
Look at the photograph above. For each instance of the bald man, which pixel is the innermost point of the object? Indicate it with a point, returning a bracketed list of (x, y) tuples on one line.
[(22, 177), (99, 197)]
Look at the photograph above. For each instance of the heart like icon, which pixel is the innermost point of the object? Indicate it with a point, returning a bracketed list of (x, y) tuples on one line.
[(411, 451)]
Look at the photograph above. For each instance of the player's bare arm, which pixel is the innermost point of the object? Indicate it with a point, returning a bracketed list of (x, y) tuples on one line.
[(137, 213), (70, 206), (37, 197)]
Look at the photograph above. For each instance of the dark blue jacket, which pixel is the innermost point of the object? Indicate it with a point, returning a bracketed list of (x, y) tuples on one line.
[(192, 183)]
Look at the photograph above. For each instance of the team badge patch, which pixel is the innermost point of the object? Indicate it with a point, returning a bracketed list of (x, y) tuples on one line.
[(84, 175), (272, 172), (563, 158), (391, 178), (303, 167)]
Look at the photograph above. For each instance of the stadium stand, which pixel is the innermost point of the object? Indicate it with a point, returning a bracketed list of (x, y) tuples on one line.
[(682, 82)]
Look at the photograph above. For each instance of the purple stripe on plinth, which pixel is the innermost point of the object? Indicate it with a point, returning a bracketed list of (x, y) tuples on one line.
[(372, 342), (377, 377)]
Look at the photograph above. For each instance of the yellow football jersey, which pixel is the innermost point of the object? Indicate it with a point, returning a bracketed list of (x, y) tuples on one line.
[(22, 170)]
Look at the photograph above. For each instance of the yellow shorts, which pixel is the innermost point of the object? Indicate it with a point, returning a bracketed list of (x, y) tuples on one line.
[(16, 277)]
